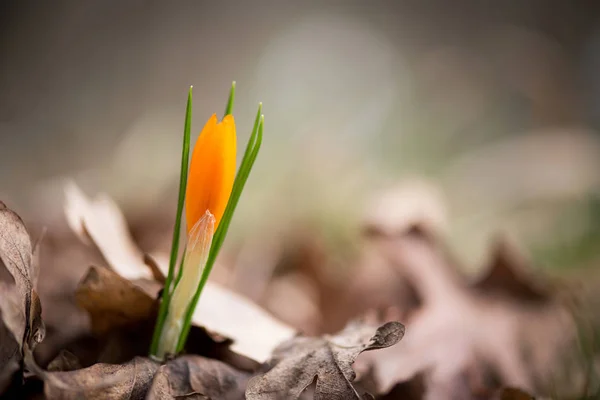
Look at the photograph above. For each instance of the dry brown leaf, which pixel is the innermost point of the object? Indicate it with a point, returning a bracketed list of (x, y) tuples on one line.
[(15, 249), (19, 303), (199, 376), (122, 314), (129, 381), (112, 301), (297, 362)]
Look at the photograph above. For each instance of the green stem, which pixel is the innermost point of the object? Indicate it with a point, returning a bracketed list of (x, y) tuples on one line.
[(166, 296)]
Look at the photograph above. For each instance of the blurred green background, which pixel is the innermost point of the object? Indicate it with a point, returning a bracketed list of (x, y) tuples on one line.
[(495, 105)]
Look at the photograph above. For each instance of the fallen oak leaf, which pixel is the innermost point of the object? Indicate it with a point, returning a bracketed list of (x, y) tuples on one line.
[(15, 248), (200, 376), (297, 362), (17, 255), (20, 305), (129, 381)]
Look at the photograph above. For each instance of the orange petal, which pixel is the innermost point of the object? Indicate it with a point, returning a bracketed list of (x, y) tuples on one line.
[(212, 171)]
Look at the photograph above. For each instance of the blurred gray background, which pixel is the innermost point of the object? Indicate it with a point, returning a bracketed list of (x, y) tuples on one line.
[(494, 105)]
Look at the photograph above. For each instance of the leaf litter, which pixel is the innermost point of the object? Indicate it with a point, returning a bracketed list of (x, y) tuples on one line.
[(121, 302), (518, 325)]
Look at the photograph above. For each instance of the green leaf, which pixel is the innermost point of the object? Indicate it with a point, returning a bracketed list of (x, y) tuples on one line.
[(229, 107), (185, 156)]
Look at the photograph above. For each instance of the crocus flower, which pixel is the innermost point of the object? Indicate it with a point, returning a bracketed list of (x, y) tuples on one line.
[(210, 180), (212, 171)]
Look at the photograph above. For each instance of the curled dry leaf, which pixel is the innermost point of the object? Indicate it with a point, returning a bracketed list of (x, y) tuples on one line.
[(122, 314), (103, 222), (129, 381), (297, 362), (19, 303), (112, 301), (195, 375)]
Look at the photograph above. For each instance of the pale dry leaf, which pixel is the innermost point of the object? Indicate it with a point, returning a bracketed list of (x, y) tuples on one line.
[(255, 333), (297, 362), (104, 223), (200, 376)]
